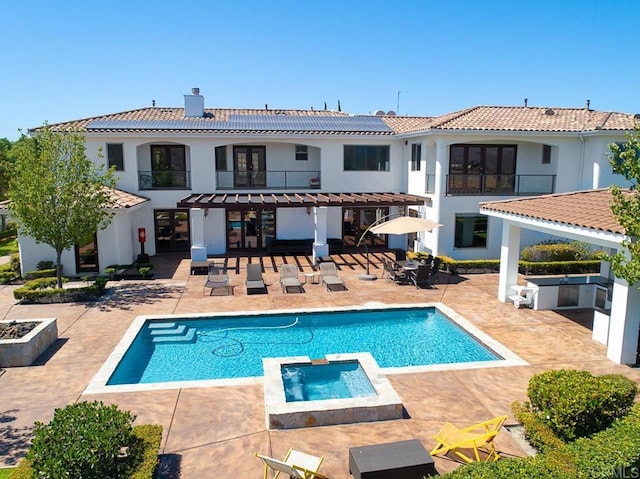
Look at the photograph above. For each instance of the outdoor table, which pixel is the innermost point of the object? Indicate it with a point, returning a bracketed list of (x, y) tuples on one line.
[(408, 265), (394, 460)]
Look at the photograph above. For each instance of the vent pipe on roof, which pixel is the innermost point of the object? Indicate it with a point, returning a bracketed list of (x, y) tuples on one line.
[(194, 104), (526, 100), (588, 104)]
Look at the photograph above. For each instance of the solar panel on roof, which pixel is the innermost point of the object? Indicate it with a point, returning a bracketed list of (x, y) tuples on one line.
[(253, 123)]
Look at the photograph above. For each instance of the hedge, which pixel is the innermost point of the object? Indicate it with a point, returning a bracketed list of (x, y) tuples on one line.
[(149, 436), (42, 291), (40, 273), (537, 467), (575, 251), (471, 266)]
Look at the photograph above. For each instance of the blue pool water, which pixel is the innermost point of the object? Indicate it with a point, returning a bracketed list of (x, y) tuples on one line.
[(233, 347), (335, 380)]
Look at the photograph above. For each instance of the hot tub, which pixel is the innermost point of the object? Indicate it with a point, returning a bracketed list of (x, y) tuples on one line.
[(312, 398)]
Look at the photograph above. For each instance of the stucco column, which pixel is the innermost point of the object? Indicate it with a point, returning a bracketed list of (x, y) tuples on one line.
[(624, 323), (198, 248), (432, 241), (320, 246), (509, 256)]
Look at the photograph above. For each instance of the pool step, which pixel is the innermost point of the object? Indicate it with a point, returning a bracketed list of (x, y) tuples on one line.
[(176, 331), (187, 336), (161, 325)]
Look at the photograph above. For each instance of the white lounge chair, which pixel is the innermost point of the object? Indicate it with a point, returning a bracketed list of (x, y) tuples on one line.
[(330, 278), (289, 278), (296, 464)]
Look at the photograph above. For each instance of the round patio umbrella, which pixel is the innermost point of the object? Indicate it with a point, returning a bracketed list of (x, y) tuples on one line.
[(403, 225)]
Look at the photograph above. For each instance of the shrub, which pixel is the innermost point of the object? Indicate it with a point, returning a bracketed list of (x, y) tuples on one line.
[(539, 434), (613, 452), (15, 263), (40, 273), (42, 290), (547, 252), (559, 267), (45, 264), (84, 440), (576, 404), (143, 454), (538, 467)]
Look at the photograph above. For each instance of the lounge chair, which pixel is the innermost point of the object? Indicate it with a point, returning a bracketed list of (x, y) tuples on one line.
[(478, 437), (218, 280), (296, 464), (289, 278), (254, 282), (330, 278)]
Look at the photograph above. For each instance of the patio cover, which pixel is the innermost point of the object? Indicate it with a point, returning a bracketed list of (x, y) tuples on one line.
[(283, 200)]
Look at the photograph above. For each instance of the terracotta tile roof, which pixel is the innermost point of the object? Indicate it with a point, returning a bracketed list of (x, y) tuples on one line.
[(122, 200), (406, 124), (586, 209), (480, 118), (125, 200), (508, 118)]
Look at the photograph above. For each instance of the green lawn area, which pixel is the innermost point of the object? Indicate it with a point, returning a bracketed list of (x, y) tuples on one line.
[(8, 245), (4, 473)]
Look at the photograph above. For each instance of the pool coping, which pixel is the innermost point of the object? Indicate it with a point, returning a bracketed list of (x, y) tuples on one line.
[(98, 384)]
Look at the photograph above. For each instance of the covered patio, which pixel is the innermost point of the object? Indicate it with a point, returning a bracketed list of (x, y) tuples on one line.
[(580, 216)]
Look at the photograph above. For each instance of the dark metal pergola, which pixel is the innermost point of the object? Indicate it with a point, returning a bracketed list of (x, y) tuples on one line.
[(284, 200)]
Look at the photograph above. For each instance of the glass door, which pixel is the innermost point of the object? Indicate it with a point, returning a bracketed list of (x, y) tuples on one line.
[(172, 231), (250, 229), (87, 255), (249, 165)]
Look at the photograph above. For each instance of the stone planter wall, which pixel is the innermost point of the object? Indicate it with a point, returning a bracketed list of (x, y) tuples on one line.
[(24, 351)]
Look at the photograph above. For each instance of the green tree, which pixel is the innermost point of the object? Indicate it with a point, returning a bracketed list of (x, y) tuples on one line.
[(5, 148), (625, 160), (58, 196)]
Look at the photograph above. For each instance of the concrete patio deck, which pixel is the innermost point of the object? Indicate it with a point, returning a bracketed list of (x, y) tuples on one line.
[(222, 427)]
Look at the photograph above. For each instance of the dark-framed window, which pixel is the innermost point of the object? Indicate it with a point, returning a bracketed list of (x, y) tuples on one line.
[(168, 158), (482, 159), (115, 156), (366, 157), (471, 231), (416, 155), (221, 158), (302, 153), (546, 154)]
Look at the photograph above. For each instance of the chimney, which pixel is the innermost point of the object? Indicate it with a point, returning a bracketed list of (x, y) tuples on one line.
[(194, 104)]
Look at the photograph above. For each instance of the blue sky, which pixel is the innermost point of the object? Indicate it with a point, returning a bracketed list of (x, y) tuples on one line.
[(68, 60)]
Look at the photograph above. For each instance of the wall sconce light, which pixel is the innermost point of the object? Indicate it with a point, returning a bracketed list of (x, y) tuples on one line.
[(309, 210)]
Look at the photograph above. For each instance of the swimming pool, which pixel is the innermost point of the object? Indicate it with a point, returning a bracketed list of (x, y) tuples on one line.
[(407, 333), (228, 348)]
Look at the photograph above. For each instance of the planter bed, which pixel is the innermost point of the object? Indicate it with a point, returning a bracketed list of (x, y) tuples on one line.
[(25, 350)]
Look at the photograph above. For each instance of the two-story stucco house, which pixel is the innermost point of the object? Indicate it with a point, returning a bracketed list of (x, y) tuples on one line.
[(212, 181)]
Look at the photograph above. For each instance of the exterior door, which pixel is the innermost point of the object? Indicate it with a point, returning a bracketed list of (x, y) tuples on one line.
[(250, 229), (249, 166), (172, 231), (87, 255)]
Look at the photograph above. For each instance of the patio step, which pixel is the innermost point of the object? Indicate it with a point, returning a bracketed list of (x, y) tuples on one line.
[(161, 325), (188, 337), (176, 331)]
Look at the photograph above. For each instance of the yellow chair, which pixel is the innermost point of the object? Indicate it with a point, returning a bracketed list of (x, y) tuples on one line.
[(296, 464), (478, 437)]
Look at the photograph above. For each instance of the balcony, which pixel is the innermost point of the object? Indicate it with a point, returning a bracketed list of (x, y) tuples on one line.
[(500, 185), (266, 180), (164, 180)]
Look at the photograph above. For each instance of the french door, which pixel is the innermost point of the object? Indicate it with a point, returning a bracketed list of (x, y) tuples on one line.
[(249, 166), (172, 231), (250, 229)]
